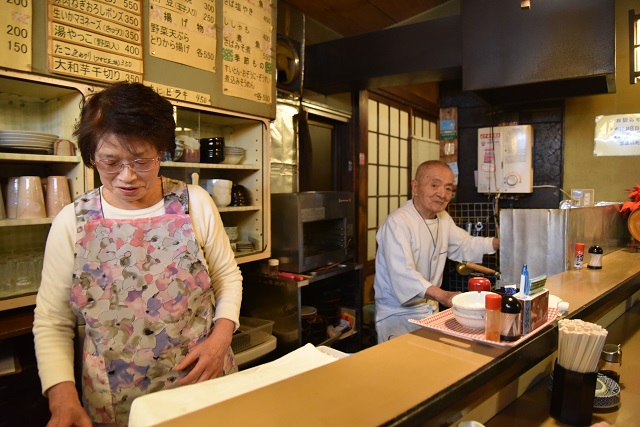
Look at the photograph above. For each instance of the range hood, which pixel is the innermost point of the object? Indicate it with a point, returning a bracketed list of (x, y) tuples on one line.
[(504, 54), (555, 49)]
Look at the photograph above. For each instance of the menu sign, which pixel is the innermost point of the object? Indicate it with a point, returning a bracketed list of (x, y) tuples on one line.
[(16, 34), (180, 94), (183, 31), (247, 55), (96, 40), (617, 135)]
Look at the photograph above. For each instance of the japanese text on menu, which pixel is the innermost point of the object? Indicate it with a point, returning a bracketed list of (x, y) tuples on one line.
[(617, 135), (184, 32), (16, 35), (96, 40), (247, 56)]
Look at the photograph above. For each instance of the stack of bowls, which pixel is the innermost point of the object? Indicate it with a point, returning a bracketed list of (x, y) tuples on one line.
[(211, 150), (220, 190), (468, 309), (233, 155)]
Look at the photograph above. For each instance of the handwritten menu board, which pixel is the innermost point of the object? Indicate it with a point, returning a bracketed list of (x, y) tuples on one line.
[(97, 40), (16, 34), (180, 94), (247, 55), (183, 31)]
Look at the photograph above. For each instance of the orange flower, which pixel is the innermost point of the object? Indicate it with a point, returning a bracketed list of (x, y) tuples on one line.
[(633, 204)]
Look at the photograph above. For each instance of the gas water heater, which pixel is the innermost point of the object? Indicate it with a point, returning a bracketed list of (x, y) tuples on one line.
[(504, 159)]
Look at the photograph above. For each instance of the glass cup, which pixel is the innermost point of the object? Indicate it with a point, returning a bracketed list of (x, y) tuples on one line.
[(7, 283), (23, 273)]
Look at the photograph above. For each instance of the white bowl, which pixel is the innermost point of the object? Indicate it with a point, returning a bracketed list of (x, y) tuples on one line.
[(472, 301), (469, 321), (231, 159), (221, 200), (468, 308)]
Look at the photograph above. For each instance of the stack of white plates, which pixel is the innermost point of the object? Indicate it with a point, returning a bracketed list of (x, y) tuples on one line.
[(29, 141), (233, 155), (244, 246)]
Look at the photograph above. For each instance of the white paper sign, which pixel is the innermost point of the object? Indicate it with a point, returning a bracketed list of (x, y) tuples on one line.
[(617, 135)]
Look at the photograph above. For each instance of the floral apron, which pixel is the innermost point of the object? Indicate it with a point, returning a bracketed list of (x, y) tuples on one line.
[(143, 289)]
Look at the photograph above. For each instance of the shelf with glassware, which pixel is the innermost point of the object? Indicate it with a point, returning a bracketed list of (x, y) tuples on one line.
[(37, 116)]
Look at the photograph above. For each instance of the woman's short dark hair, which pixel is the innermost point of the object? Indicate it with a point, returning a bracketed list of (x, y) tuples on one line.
[(132, 112)]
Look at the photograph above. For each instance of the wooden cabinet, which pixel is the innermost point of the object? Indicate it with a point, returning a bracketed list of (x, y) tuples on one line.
[(238, 130), (35, 104), (42, 104)]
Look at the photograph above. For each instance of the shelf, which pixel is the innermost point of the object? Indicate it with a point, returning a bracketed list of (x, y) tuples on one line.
[(16, 302), (24, 221), (48, 158), (238, 208), (209, 166)]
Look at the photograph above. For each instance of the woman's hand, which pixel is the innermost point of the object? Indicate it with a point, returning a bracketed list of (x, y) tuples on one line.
[(208, 357), (65, 407)]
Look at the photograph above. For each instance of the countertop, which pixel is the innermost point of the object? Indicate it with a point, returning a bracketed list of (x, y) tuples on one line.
[(532, 408), (427, 375)]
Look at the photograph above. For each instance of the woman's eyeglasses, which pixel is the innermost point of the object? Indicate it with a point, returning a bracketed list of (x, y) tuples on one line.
[(116, 166)]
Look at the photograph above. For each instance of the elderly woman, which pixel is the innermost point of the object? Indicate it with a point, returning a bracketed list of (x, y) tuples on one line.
[(143, 261)]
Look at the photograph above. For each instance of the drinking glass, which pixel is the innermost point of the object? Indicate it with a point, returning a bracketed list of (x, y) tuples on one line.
[(30, 198)]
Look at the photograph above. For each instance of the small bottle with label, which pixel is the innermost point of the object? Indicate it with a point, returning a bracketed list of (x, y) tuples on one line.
[(579, 259), (273, 267), (493, 305)]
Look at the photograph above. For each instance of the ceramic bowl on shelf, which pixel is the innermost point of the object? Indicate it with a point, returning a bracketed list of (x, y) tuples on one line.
[(233, 155)]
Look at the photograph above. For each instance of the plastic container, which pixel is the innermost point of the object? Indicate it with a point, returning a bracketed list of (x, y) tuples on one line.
[(252, 332), (493, 305)]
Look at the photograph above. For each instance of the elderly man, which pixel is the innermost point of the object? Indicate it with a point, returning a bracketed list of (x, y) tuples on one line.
[(413, 245)]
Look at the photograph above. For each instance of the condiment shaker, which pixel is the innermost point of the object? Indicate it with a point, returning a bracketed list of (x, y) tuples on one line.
[(510, 328), (595, 257), (493, 306), (611, 361)]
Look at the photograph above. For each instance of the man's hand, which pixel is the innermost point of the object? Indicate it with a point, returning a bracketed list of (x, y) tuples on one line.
[(496, 243), (65, 407), (442, 296)]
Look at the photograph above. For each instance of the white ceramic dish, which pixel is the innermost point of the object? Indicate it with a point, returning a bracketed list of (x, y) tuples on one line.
[(469, 321), (230, 159)]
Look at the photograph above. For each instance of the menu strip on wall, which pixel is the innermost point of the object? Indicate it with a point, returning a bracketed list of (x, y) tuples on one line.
[(247, 55), (96, 40), (16, 35), (184, 32), (180, 94)]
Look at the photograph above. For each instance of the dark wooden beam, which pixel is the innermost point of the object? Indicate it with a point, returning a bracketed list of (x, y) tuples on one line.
[(410, 54)]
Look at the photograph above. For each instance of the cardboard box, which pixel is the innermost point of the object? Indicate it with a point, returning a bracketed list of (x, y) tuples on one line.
[(535, 310)]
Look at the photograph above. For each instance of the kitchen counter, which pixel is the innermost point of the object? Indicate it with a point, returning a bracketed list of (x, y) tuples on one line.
[(532, 408), (427, 376)]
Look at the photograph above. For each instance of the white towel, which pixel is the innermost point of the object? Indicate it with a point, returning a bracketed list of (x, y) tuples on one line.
[(164, 405)]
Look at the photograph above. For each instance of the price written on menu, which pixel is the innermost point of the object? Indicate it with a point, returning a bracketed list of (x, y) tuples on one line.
[(617, 135), (16, 34), (96, 40), (247, 55), (184, 32), (179, 93)]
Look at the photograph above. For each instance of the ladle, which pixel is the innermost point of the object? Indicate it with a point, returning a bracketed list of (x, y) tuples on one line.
[(465, 268)]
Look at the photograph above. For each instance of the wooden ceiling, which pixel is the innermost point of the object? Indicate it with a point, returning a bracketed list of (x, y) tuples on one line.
[(353, 17)]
